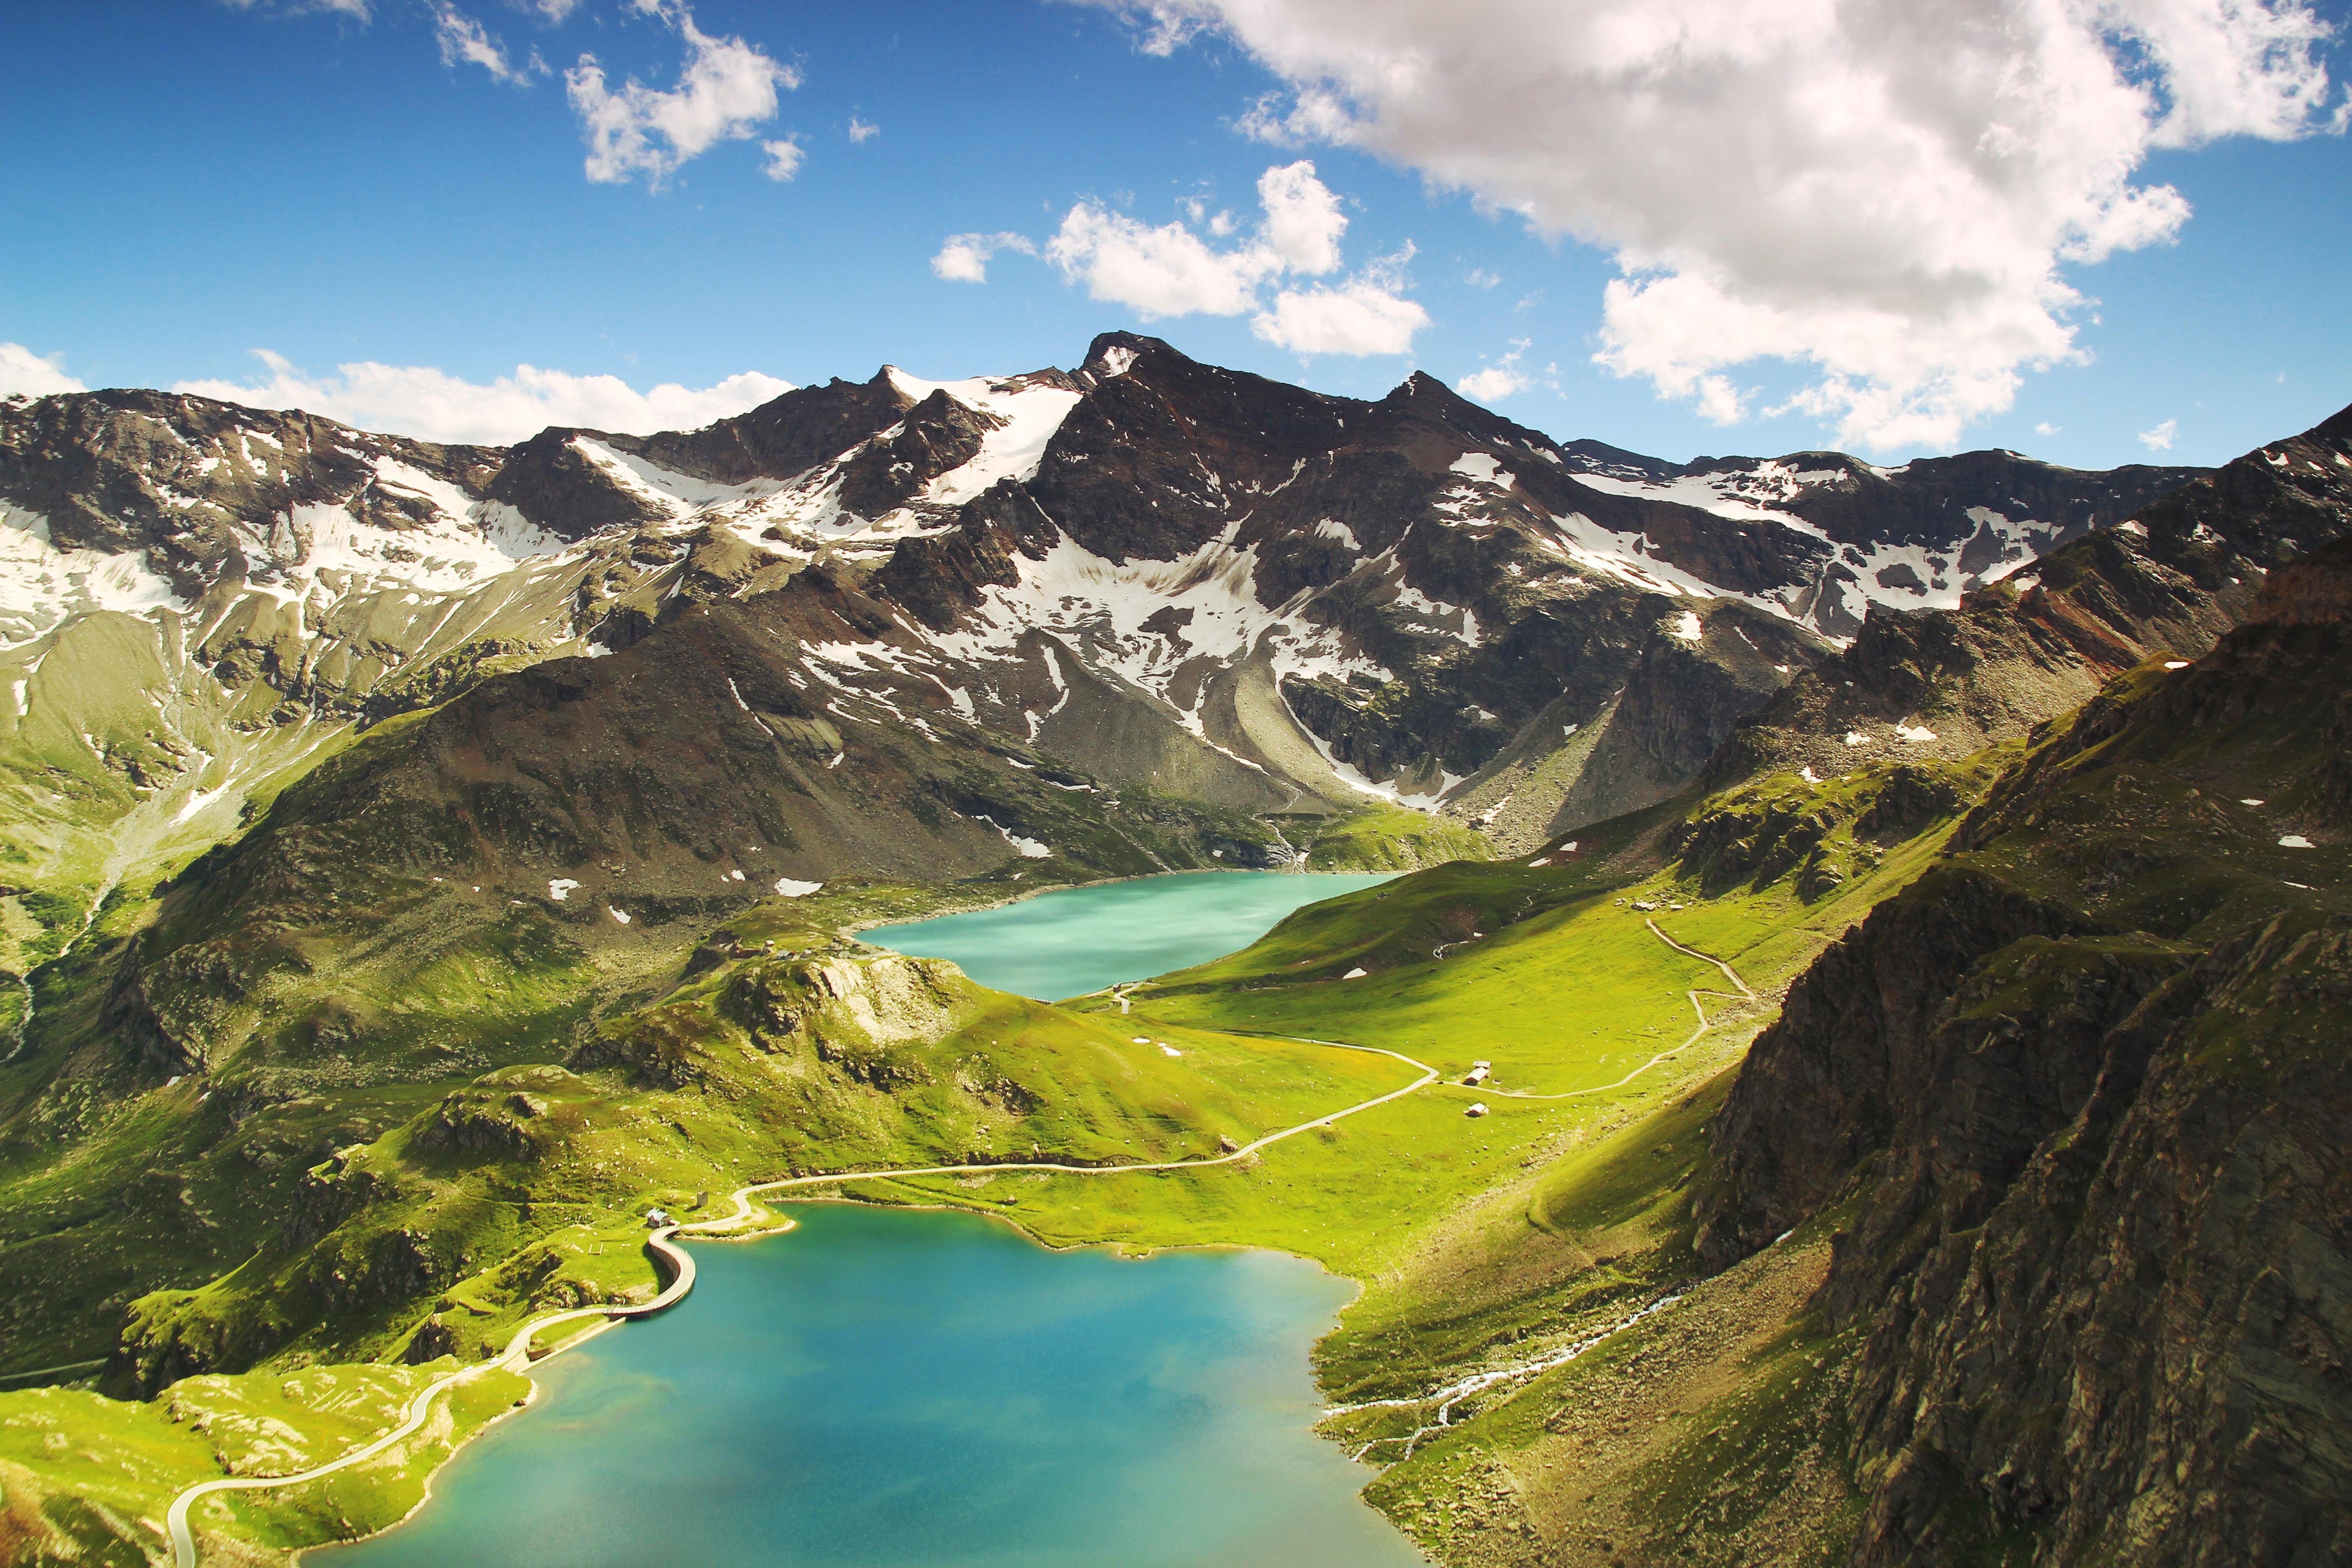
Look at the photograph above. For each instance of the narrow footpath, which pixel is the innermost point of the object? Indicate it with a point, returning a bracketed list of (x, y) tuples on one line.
[(1704, 1024)]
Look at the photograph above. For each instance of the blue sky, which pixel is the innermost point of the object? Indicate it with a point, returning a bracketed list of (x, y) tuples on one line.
[(196, 182)]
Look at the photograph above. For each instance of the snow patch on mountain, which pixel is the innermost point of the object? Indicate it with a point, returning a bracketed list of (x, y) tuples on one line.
[(1029, 413), (41, 585)]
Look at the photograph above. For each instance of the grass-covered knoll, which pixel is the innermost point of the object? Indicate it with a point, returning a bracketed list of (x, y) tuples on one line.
[(521, 1192), (88, 1479), (507, 1196), (1380, 838)]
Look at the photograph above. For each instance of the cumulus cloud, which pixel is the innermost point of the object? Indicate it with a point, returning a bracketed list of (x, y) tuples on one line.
[(727, 89), (1358, 318), (1175, 269), (1303, 221), (1888, 198), (1163, 271), (430, 404), (1500, 380), (2162, 438), (862, 131), (964, 257), (358, 8), (23, 374)]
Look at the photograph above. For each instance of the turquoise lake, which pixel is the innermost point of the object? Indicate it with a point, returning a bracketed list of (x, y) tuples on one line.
[(912, 1389), (1083, 939)]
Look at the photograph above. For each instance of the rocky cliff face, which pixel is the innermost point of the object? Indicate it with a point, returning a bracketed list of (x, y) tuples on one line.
[(2086, 1092)]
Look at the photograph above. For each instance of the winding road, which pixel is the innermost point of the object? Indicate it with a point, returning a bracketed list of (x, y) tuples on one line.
[(679, 1263), (1704, 1024)]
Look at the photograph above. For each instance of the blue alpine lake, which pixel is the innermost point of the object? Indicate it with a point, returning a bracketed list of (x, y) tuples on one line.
[(891, 1388), (1079, 940)]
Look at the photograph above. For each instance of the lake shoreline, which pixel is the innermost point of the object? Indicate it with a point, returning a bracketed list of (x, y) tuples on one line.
[(766, 1220), (1325, 1319)]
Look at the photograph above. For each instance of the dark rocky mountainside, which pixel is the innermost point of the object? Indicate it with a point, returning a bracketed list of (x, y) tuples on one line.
[(2172, 579), (2082, 1089), (1408, 599)]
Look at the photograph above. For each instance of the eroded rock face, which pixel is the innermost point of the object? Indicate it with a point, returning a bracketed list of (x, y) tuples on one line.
[(2086, 1088)]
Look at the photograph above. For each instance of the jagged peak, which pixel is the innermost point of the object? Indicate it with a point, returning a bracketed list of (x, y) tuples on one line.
[(1114, 354)]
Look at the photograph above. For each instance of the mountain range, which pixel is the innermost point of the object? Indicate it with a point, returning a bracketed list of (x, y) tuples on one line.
[(402, 839)]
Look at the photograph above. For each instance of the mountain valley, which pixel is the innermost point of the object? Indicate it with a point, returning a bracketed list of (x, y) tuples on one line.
[(1894, 918)]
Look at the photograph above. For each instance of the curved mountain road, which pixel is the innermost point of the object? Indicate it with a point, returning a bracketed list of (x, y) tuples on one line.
[(516, 1355)]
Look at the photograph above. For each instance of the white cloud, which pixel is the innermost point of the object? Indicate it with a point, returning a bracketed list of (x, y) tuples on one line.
[(555, 11), (1482, 278), (2047, 428), (1303, 221), (1501, 379), (358, 8), (1887, 196), (728, 87), (784, 159), (1164, 271), (1171, 270), (861, 131), (23, 374), (1358, 318), (462, 39), (430, 404), (964, 257), (2161, 438)]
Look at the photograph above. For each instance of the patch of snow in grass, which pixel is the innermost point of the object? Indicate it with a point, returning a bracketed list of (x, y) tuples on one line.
[(2296, 841), (620, 915), (788, 888), (1167, 1050), (1356, 973), (1686, 627), (560, 888), (1914, 733), (2176, 664), (1856, 738)]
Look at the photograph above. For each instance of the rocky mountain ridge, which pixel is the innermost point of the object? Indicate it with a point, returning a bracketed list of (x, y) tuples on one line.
[(1409, 600)]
